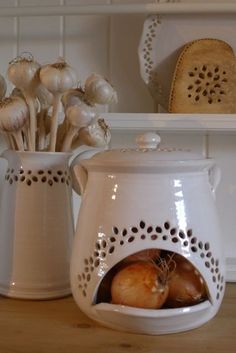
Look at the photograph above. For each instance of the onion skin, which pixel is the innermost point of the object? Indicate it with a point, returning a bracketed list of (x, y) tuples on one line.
[(139, 285), (186, 285)]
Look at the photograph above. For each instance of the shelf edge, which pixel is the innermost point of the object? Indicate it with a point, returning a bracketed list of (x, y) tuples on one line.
[(171, 122), (149, 8)]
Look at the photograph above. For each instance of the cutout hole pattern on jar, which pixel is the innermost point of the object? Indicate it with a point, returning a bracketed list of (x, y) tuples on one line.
[(159, 234)]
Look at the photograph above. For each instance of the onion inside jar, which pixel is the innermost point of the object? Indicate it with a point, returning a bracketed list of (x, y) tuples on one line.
[(142, 284), (186, 285)]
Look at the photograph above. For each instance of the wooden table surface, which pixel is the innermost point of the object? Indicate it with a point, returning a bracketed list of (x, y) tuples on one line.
[(58, 326)]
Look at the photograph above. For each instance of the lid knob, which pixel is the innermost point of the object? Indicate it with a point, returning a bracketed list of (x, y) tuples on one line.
[(148, 140)]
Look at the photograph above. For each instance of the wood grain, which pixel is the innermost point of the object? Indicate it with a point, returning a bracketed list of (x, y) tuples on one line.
[(59, 326)]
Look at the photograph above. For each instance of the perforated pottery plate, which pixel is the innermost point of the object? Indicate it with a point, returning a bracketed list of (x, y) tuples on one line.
[(205, 78), (163, 39)]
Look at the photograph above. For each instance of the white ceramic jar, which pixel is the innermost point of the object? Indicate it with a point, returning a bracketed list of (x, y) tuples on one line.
[(141, 199)]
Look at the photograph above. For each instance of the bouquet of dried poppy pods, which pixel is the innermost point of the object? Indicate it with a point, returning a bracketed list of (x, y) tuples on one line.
[(30, 117)]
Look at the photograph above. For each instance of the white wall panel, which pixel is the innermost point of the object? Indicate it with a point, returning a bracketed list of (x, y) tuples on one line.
[(131, 1), (223, 148), (86, 44), (8, 37), (38, 2), (125, 36), (210, 1), (7, 52), (41, 37), (9, 3), (87, 2)]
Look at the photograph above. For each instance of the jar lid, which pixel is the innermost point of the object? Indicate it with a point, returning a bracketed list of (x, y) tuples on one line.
[(146, 153)]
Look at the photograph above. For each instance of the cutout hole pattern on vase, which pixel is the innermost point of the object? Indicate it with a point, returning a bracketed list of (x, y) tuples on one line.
[(30, 177), (119, 237)]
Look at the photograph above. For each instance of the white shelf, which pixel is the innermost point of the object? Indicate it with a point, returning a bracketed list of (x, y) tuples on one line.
[(151, 8), (172, 122)]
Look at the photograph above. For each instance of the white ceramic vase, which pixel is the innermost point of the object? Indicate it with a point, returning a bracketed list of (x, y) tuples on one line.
[(36, 225)]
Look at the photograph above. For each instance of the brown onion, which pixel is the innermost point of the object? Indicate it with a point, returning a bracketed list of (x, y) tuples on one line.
[(186, 285), (142, 284)]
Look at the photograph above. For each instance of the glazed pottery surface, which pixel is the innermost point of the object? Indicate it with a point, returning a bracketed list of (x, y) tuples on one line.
[(142, 199), (36, 225)]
